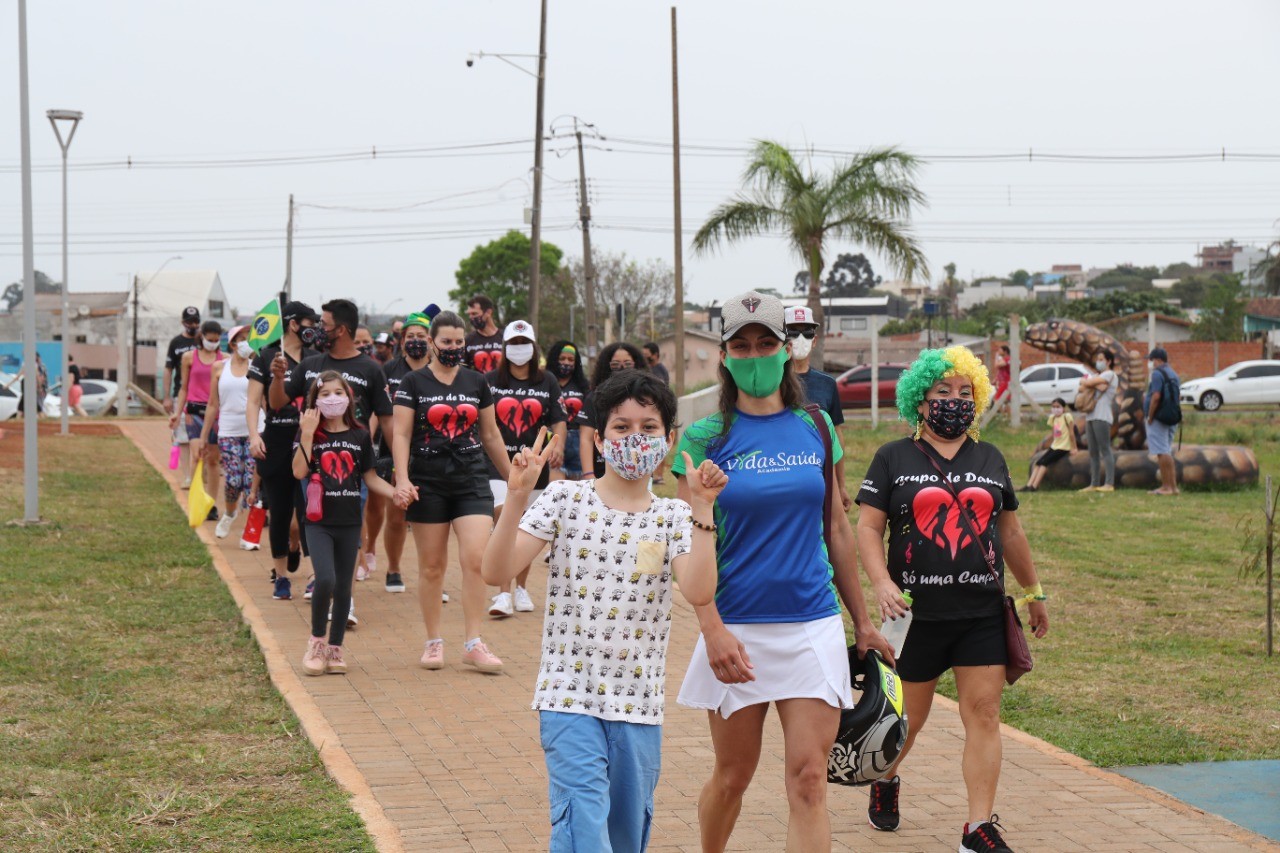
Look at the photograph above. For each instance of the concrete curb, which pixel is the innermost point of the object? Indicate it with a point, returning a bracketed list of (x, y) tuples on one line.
[(337, 760), (1231, 830)]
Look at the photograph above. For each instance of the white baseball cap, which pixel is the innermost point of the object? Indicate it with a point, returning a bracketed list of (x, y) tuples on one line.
[(752, 307), (799, 315), (518, 329)]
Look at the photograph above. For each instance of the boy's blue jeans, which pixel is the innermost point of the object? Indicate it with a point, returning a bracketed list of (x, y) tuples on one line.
[(601, 777)]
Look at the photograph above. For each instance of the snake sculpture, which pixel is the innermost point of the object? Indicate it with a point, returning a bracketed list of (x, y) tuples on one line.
[(1197, 464)]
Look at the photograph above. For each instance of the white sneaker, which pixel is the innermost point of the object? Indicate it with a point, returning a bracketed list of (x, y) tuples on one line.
[(444, 598), (186, 482), (224, 525), (501, 607), (366, 567), (352, 621), (524, 604)]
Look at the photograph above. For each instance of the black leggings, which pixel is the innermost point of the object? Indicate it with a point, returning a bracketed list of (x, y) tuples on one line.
[(283, 499), (333, 557)]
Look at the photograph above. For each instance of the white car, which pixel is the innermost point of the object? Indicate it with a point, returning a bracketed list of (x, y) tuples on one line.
[(10, 395), (1044, 382), (99, 394), (1242, 383)]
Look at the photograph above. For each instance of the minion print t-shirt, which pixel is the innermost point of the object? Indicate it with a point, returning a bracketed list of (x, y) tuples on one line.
[(604, 643)]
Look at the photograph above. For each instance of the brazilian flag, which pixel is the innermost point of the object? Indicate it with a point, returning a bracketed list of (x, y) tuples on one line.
[(264, 329)]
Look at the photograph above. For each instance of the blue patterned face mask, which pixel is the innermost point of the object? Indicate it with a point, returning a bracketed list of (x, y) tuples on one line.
[(635, 456)]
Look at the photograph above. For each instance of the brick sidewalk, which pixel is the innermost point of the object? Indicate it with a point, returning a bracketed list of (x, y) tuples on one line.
[(452, 756)]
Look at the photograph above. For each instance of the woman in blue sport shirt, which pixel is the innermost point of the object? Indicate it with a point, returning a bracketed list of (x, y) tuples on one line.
[(774, 632)]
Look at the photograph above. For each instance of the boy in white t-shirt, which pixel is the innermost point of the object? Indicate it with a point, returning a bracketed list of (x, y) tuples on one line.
[(616, 548)]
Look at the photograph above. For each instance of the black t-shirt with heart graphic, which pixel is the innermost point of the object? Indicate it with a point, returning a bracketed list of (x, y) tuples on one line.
[(573, 395), (930, 549), (341, 458), (446, 417), (483, 352), (522, 407)]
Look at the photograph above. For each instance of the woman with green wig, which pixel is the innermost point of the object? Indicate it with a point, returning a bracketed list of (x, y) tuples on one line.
[(774, 633), (934, 492)]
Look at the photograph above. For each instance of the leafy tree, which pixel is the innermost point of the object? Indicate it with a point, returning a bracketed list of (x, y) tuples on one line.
[(1117, 304), (500, 270), (1126, 278), (1194, 289), (644, 288), (867, 200), (1179, 270), (1020, 277), (851, 276), (1222, 315), (12, 295)]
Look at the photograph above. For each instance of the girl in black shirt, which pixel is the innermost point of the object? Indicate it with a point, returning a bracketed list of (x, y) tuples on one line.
[(563, 359), (615, 356), (936, 488), (334, 454), (443, 428)]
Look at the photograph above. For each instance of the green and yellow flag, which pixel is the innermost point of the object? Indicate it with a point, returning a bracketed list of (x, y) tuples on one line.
[(264, 329)]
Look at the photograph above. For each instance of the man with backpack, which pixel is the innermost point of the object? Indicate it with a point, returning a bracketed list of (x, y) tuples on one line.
[(1164, 413)]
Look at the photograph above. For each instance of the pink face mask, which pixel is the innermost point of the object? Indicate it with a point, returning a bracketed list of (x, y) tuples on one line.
[(333, 406)]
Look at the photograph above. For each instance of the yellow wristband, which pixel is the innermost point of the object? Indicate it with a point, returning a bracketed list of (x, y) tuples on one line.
[(1030, 594)]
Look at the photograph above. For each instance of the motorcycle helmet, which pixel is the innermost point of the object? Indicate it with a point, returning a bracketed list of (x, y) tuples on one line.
[(873, 732)]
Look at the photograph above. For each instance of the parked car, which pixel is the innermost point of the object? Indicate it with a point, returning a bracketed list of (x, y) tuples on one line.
[(99, 394), (10, 393), (1044, 382), (1243, 382), (854, 385)]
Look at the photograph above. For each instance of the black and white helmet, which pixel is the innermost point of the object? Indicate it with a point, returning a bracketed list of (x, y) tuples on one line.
[(873, 732)]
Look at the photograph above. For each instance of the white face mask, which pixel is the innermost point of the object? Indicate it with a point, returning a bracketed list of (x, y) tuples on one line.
[(1057, 410), (801, 347), (520, 354), (1100, 364), (243, 349), (209, 345)]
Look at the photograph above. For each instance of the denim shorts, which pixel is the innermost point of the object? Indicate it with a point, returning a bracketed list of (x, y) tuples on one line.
[(572, 459), (1160, 438), (601, 775)]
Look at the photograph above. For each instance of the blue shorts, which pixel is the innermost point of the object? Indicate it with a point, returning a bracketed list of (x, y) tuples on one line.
[(572, 459), (601, 775), (1160, 438)]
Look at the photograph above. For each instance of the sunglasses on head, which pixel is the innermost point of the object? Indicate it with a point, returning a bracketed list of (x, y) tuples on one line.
[(808, 334)]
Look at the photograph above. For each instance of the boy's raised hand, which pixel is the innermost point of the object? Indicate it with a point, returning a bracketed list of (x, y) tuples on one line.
[(527, 465), (707, 481)]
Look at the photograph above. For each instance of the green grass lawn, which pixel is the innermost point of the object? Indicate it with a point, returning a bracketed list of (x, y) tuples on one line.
[(135, 708)]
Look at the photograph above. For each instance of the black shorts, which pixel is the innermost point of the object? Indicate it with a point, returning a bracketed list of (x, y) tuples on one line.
[(385, 468), (932, 648), (1052, 456), (449, 487)]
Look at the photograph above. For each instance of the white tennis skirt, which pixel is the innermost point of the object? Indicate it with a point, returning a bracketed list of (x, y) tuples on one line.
[(790, 660)]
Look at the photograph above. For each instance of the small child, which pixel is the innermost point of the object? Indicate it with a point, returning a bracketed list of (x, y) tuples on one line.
[(1062, 441), (616, 549), (333, 447)]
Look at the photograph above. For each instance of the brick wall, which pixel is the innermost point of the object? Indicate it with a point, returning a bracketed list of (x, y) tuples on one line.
[(1189, 359)]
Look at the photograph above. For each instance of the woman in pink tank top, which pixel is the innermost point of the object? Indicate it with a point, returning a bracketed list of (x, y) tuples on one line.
[(193, 398)]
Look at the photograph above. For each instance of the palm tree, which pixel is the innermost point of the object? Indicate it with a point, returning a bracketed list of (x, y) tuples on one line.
[(867, 200)]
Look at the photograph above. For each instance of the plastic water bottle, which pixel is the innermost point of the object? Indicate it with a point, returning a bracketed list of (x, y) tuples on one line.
[(895, 630), (315, 498), (175, 456)]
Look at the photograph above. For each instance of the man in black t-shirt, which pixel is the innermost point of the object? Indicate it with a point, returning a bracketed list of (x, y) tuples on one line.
[(170, 386), (819, 388), (484, 345)]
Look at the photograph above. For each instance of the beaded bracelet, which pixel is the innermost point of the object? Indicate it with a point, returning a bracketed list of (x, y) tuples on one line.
[(710, 528)]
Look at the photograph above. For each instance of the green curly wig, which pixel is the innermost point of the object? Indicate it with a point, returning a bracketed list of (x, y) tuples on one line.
[(935, 364)]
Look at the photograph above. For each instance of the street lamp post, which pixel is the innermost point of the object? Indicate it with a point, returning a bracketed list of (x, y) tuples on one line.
[(74, 117), (535, 249), (31, 406)]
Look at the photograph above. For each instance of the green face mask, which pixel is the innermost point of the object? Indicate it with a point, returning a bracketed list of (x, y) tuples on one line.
[(758, 377)]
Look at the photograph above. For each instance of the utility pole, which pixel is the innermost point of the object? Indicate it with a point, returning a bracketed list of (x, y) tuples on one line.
[(588, 266), (535, 271), (31, 377), (133, 362), (678, 224), (288, 257)]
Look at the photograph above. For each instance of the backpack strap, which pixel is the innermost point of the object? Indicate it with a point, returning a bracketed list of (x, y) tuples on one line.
[(828, 470)]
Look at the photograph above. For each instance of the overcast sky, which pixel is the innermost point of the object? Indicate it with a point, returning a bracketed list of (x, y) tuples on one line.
[(165, 81)]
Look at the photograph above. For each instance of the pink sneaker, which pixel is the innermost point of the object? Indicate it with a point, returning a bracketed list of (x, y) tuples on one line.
[(433, 655), (333, 657), (482, 659), (366, 567), (316, 660)]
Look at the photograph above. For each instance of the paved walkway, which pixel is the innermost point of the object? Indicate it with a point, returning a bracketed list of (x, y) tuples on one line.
[(449, 760)]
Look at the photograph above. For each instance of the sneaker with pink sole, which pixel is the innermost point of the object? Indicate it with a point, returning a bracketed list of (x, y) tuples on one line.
[(316, 660), (482, 659), (366, 567), (433, 655), (337, 665)]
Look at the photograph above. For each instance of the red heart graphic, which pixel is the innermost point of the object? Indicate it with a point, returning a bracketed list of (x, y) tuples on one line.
[(938, 521), (519, 416), (452, 421), (486, 360), (338, 466), (572, 405)]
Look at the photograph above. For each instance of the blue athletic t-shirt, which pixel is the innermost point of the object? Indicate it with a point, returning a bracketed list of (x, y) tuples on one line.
[(773, 564)]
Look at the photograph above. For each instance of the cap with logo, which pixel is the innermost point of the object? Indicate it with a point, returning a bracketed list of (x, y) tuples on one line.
[(298, 311), (191, 314), (752, 307), (799, 315), (517, 329), (383, 338)]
